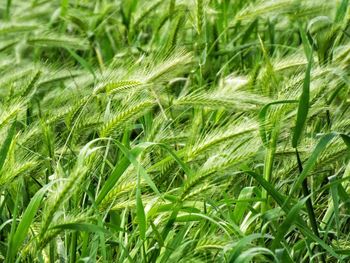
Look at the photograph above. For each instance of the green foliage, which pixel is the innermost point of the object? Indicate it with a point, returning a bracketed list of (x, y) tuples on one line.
[(174, 131)]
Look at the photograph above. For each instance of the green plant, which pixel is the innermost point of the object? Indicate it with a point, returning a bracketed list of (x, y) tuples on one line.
[(180, 131)]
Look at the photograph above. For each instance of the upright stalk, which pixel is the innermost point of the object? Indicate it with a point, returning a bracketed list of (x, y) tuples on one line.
[(269, 158), (268, 165), (309, 206)]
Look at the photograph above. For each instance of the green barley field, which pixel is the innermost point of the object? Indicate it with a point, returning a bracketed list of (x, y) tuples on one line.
[(174, 131)]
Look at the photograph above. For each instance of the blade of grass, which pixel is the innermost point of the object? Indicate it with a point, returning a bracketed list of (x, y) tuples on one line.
[(27, 218), (6, 145), (283, 202), (311, 162), (85, 227), (303, 107), (335, 197), (341, 11), (140, 211), (81, 61), (132, 158), (8, 9), (306, 192), (287, 223)]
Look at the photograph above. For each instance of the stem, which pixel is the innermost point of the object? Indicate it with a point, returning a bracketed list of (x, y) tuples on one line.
[(73, 247), (268, 164), (269, 158), (52, 251), (306, 193), (309, 206)]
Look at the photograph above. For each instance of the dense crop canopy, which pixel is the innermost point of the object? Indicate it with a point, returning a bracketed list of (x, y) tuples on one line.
[(174, 131)]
